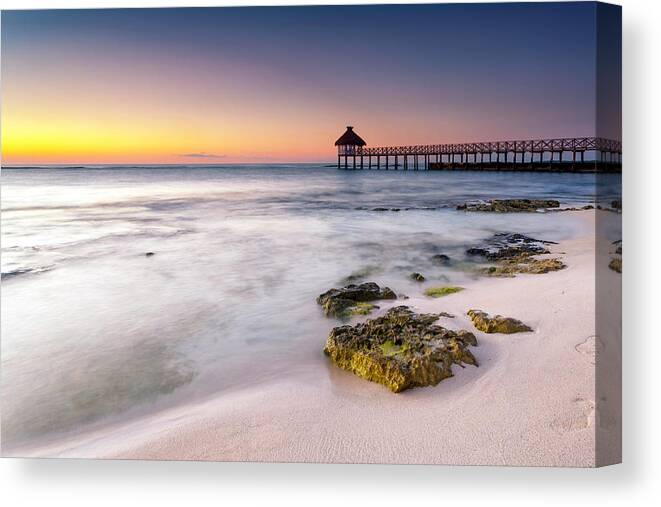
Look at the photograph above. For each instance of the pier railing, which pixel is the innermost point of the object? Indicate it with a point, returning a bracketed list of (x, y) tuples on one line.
[(521, 146)]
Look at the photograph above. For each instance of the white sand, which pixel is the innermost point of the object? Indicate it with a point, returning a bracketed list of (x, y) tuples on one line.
[(531, 401)]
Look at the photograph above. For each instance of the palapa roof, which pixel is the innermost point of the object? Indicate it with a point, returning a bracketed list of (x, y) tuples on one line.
[(350, 138)]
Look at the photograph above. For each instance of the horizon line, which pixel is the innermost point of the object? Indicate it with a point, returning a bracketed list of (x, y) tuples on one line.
[(154, 164)]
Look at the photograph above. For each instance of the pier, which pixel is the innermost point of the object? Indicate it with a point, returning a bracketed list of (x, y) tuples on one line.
[(576, 154)]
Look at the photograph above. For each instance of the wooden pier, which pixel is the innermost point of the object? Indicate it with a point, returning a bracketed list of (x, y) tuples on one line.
[(565, 154)]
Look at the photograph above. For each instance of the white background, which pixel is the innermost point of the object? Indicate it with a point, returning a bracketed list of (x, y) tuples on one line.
[(636, 482)]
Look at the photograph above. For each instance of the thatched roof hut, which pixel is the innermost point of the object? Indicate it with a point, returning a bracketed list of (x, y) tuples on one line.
[(350, 138)]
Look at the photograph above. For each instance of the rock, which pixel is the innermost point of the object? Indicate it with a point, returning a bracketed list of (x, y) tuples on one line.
[(616, 204), (510, 205), (616, 265), (417, 277), (440, 259), (497, 324), (437, 292), (341, 302), (523, 264), (505, 245), (400, 350), (582, 208), (514, 253), (149, 254)]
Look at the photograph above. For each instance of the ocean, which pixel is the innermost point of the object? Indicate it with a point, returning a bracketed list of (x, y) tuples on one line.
[(94, 331)]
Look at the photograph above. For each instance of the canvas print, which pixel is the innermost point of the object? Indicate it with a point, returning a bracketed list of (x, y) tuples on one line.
[(324, 234)]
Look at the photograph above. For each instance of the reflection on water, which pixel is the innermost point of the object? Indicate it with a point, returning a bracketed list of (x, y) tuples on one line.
[(92, 329)]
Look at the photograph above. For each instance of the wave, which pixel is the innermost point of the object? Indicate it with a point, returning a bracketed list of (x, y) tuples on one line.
[(5, 275)]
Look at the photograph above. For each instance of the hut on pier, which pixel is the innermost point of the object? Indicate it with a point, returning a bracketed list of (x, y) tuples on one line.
[(347, 146)]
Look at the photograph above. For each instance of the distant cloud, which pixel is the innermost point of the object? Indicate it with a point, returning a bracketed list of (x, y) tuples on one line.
[(201, 154)]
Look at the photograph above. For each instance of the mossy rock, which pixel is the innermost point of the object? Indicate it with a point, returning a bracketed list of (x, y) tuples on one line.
[(437, 292), (497, 324), (417, 277), (524, 263), (344, 302), (400, 350), (616, 265)]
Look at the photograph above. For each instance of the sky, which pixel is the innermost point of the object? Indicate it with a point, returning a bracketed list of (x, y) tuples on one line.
[(246, 85)]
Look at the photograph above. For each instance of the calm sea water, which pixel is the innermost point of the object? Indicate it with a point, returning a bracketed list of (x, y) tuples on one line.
[(94, 331)]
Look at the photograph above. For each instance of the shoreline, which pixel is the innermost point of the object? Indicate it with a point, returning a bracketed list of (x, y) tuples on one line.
[(529, 403)]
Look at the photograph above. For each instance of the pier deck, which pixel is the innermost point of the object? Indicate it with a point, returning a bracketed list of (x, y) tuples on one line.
[(565, 154)]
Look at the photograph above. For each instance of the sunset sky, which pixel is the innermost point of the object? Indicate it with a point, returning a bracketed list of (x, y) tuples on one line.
[(280, 84)]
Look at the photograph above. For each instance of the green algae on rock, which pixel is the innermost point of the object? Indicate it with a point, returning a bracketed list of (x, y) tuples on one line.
[(346, 301), (400, 350), (362, 308), (418, 277), (497, 324), (437, 292)]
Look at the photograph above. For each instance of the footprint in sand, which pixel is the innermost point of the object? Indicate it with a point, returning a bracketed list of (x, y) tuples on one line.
[(590, 347), (580, 417)]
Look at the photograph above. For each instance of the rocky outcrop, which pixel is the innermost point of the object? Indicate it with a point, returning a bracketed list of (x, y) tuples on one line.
[(418, 277), (507, 245), (514, 253), (523, 264), (400, 350), (510, 205), (497, 324), (573, 208), (346, 301)]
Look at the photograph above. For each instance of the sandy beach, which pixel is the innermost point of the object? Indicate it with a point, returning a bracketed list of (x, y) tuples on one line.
[(531, 402)]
